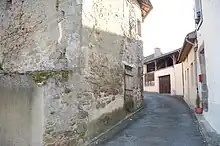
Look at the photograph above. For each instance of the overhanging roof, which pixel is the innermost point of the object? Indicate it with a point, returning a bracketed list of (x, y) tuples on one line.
[(187, 46), (150, 58), (146, 7)]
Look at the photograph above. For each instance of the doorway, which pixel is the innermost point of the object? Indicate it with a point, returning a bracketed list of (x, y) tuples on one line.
[(164, 84), (128, 87)]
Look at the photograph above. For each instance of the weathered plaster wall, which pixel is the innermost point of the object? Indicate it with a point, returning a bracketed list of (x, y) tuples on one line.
[(190, 80), (110, 30), (66, 109), (37, 117), (39, 35), (45, 35), (209, 33), (75, 53), (20, 123)]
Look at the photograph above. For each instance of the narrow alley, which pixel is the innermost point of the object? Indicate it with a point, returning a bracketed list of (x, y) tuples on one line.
[(167, 122), (109, 73)]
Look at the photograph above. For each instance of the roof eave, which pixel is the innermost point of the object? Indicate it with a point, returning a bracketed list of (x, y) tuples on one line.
[(186, 46), (146, 7), (162, 56)]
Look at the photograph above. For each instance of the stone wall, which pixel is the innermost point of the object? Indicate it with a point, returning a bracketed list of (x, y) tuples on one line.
[(111, 42), (73, 56), (39, 35)]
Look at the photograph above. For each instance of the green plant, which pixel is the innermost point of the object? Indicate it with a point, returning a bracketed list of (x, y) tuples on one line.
[(43, 76), (198, 100)]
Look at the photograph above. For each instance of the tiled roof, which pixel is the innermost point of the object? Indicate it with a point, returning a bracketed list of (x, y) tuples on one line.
[(152, 58), (187, 45), (145, 6)]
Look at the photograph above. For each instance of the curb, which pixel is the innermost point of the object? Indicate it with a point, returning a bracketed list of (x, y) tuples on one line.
[(211, 138), (110, 133)]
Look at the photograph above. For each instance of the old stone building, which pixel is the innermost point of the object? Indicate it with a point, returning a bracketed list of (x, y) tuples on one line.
[(69, 69)]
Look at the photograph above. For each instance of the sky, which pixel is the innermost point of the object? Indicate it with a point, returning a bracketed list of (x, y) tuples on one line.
[(167, 25)]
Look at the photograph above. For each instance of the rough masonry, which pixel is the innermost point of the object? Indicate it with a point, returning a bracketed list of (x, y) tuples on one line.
[(63, 69)]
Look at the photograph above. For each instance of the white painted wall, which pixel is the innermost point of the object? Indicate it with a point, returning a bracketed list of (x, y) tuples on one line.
[(178, 79), (189, 82), (151, 88), (209, 32), (175, 73), (144, 69)]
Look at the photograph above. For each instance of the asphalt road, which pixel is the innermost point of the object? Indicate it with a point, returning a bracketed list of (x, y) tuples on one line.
[(167, 121)]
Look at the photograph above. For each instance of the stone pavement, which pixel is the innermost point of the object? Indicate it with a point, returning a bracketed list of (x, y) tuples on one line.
[(167, 122)]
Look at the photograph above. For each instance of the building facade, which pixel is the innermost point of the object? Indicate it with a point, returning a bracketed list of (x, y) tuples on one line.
[(188, 58), (208, 34), (162, 74), (69, 70)]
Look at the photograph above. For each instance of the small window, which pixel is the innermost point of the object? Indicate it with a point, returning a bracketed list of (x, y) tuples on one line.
[(149, 79), (127, 67), (151, 67), (128, 78), (139, 27)]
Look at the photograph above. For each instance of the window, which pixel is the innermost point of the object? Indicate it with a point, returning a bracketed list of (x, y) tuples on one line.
[(149, 79), (139, 27), (128, 68), (198, 13), (151, 67), (128, 78)]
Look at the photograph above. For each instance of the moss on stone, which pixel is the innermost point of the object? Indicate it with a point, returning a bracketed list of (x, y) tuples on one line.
[(65, 74), (83, 134), (43, 76)]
